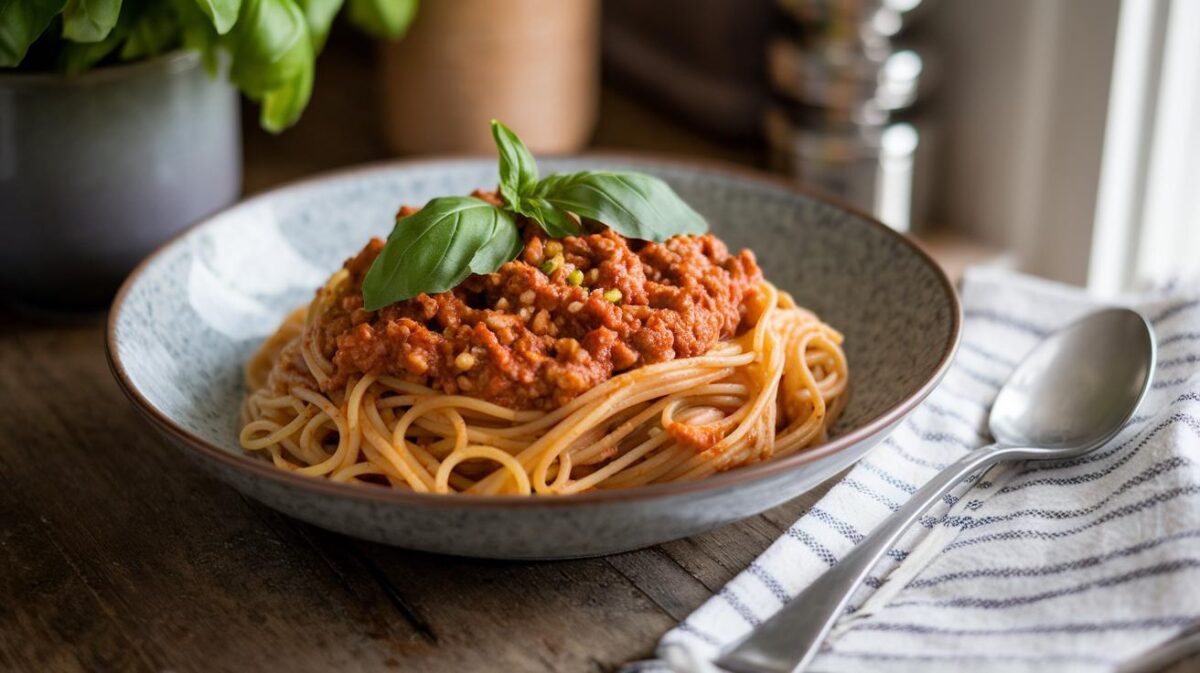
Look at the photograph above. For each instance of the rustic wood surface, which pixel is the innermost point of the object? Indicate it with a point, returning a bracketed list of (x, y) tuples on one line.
[(117, 553)]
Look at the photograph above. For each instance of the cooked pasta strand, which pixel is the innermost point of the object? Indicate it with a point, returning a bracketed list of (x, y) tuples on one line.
[(773, 391)]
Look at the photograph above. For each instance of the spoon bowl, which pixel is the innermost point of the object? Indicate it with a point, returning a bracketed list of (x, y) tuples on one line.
[(1075, 390)]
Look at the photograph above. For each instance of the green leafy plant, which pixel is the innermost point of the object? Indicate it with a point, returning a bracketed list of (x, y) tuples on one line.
[(272, 44), (452, 237)]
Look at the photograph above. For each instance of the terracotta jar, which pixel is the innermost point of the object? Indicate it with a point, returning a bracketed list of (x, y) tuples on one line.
[(533, 64)]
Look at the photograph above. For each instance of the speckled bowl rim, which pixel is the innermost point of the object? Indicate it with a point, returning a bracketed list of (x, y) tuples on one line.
[(723, 480)]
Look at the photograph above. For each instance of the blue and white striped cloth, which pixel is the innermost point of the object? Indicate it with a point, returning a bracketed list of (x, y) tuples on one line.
[(1069, 566)]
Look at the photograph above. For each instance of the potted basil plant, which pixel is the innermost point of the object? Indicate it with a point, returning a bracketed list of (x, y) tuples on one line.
[(119, 123)]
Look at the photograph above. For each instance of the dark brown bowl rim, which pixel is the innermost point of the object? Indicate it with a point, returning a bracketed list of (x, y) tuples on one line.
[(717, 482)]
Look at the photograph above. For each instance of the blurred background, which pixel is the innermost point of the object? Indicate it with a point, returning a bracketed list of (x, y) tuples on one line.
[(1058, 137)]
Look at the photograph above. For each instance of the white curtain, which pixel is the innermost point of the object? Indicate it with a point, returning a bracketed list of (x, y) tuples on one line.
[(1147, 226)]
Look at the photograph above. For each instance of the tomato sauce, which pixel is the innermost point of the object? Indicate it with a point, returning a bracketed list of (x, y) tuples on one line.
[(563, 317)]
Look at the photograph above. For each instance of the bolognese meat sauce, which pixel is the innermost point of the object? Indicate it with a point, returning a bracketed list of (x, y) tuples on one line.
[(563, 317)]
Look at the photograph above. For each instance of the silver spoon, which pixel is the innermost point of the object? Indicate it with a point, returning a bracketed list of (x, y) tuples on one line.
[(1070, 395)]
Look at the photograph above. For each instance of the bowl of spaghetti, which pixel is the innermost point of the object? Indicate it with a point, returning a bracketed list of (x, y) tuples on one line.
[(531, 371)]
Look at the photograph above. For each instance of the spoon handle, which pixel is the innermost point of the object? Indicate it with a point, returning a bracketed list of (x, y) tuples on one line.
[(788, 640)]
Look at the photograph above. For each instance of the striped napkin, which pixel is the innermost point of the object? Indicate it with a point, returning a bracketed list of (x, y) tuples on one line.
[(1076, 565)]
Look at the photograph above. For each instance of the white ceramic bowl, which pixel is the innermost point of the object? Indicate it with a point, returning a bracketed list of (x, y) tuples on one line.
[(189, 316)]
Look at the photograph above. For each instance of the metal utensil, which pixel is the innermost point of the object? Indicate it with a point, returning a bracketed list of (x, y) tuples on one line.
[(1070, 395)]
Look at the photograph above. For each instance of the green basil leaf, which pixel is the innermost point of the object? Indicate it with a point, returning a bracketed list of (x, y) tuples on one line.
[(90, 20), (75, 57), (635, 205), (320, 15), (387, 19), (156, 31), (21, 22), (436, 248), (282, 107), (222, 13), (503, 244), (198, 34), (271, 46), (553, 221), (273, 59), (518, 170)]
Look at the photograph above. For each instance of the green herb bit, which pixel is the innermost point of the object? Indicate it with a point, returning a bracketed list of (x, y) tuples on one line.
[(575, 277), (613, 295), (551, 265)]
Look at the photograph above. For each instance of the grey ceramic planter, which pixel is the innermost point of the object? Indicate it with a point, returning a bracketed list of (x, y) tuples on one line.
[(98, 169)]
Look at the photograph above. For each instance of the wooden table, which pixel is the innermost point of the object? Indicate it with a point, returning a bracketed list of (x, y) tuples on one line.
[(117, 553)]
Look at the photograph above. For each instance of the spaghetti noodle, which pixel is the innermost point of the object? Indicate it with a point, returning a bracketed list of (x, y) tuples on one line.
[(772, 390)]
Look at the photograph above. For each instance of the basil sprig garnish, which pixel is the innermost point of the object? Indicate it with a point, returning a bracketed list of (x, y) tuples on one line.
[(452, 237)]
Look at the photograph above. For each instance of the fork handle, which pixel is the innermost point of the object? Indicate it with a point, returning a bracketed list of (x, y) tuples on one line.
[(787, 641)]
